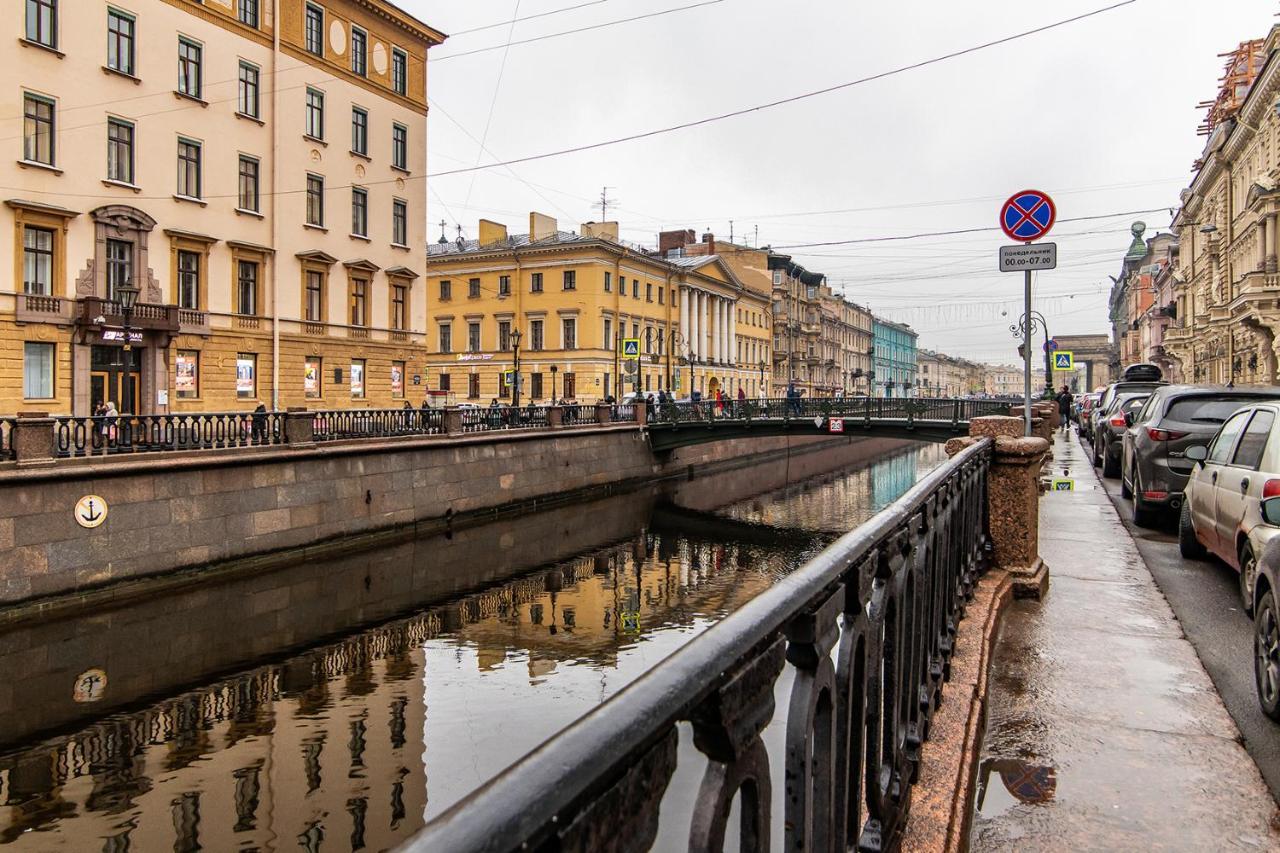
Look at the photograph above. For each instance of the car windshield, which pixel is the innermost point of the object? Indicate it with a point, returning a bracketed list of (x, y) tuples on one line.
[(1206, 410)]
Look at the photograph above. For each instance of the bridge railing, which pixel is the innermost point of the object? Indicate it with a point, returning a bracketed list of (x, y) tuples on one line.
[(88, 436), (886, 598), (376, 423), (910, 409)]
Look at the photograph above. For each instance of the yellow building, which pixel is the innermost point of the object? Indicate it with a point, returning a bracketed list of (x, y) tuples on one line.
[(257, 183), (577, 302)]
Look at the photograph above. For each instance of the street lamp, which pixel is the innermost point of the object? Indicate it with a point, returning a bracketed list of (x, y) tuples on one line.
[(515, 379), (760, 390), (553, 384), (127, 293)]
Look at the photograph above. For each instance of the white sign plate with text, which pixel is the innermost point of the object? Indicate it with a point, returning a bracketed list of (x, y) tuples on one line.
[(1036, 256)]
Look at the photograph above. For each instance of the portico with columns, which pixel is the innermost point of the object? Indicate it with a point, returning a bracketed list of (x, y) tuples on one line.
[(724, 329)]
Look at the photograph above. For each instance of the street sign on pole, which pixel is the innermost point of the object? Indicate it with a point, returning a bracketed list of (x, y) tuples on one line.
[(1064, 360), (630, 347), (1027, 216), (1051, 345), (1039, 256)]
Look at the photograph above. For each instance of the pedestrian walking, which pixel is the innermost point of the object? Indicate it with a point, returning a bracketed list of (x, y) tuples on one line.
[(258, 430), (1064, 407)]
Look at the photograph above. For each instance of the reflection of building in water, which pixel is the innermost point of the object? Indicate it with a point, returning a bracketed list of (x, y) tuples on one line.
[(892, 477), (326, 745)]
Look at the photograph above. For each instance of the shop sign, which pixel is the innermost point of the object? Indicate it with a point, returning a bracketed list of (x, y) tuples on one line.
[(117, 336)]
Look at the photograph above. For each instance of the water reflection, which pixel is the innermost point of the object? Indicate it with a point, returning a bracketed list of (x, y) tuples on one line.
[(513, 630)]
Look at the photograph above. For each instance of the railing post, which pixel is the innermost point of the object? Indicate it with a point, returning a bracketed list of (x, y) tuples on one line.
[(453, 421), (299, 426), (603, 411), (641, 409), (1013, 499), (33, 442), (555, 417)]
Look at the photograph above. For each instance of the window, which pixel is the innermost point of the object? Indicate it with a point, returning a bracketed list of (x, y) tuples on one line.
[(315, 30), (608, 333), (473, 386), (570, 280), (119, 151), (648, 292), (399, 146), (622, 285), (186, 374), (635, 288), (37, 261), (37, 129), (536, 286), (535, 386), (569, 331), (190, 58), (473, 288), (315, 201), (397, 380), (446, 337), (246, 375), (570, 386), (119, 265), (360, 131), (445, 383), (359, 212), (399, 222), (120, 36), (189, 280), (504, 285), (359, 302), (314, 307), (1254, 440), (37, 371), (473, 337), (313, 377), (248, 199), (504, 335), (42, 24), (608, 282), (399, 306), (357, 377), (248, 12), (399, 71), (247, 100), (446, 290), (188, 168), (315, 114), (359, 41), (535, 334), (247, 287), (661, 293)]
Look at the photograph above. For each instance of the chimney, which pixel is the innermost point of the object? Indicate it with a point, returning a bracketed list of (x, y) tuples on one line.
[(710, 240), (491, 232), (542, 226), (600, 230), (668, 240)]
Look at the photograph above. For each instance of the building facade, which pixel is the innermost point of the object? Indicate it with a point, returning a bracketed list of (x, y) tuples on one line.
[(202, 169), (578, 300), (797, 325), (1224, 316), (894, 372)]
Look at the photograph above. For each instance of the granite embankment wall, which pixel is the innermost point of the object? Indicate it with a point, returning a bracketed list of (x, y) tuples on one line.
[(169, 512)]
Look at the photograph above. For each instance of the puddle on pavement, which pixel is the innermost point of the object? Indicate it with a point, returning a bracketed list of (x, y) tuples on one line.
[(1005, 782)]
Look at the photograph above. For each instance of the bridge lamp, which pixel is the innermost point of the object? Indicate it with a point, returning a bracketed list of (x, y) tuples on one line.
[(127, 293), (515, 379)]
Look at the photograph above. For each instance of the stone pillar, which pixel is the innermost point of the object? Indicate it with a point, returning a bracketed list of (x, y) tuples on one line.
[(684, 316), (555, 417), (32, 439), (299, 426), (695, 323), (603, 411), (641, 408), (453, 422), (1013, 500), (1269, 262)]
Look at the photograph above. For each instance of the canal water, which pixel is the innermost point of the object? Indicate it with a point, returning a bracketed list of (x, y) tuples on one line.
[(340, 703)]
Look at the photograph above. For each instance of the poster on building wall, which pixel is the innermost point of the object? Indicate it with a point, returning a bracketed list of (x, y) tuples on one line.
[(185, 375), (357, 379), (311, 378), (397, 380), (245, 370)]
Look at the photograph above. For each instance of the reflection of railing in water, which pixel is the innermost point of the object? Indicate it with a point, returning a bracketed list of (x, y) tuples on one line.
[(890, 595)]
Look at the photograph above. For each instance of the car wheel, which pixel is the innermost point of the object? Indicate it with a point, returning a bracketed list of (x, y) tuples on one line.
[(1248, 577), (1110, 463), (1266, 656), (1126, 491), (1188, 545), (1143, 515), (1097, 456)]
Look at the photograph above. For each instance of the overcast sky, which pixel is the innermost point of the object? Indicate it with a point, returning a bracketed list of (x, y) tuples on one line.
[(1100, 113)]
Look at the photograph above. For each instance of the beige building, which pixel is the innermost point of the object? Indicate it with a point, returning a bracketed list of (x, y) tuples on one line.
[(1006, 381), (942, 375), (257, 183), (1225, 317)]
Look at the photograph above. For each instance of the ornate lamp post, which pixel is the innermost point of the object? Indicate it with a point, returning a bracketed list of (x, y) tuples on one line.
[(515, 379), (553, 384), (761, 388), (127, 293), (1019, 330)]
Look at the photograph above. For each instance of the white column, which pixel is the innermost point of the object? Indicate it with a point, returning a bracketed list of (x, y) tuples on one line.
[(702, 325), (684, 316), (733, 332), (696, 326), (717, 329), (724, 331)]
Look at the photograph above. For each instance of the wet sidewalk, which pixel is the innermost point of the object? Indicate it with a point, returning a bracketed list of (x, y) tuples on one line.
[(1103, 730)]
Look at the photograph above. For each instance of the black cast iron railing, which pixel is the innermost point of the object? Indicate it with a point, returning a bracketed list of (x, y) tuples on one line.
[(907, 409), (495, 418), (89, 436), (575, 414), (886, 597), (376, 423)]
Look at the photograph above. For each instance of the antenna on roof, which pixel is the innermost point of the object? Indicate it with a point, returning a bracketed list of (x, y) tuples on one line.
[(730, 230), (604, 203)]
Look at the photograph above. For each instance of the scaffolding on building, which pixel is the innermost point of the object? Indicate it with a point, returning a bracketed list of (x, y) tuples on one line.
[(1241, 68)]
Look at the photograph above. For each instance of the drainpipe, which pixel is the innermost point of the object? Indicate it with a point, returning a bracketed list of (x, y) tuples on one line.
[(275, 189)]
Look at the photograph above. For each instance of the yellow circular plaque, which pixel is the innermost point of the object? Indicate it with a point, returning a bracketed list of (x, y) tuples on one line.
[(90, 511)]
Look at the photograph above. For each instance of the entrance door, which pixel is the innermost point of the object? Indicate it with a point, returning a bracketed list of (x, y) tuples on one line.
[(116, 377)]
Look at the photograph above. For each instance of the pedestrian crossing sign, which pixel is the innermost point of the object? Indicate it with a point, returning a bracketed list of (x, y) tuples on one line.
[(1061, 484), (508, 378), (1064, 360), (630, 347)]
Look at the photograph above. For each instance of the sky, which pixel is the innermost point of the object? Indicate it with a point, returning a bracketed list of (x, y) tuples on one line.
[(1100, 113)]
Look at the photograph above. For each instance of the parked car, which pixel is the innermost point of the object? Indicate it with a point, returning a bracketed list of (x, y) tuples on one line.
[(1266, 618), (1221, 510), (1087, 404), (1110, 426), (1109, 397), (1153, 467)]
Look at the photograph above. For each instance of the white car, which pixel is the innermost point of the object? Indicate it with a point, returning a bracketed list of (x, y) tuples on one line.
[(1221, 512)]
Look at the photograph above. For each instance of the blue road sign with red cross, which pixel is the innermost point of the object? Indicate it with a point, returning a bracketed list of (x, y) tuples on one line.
[(1027, 215)]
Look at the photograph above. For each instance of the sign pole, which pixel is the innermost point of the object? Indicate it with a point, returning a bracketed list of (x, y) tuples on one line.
[(1026, 343)]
